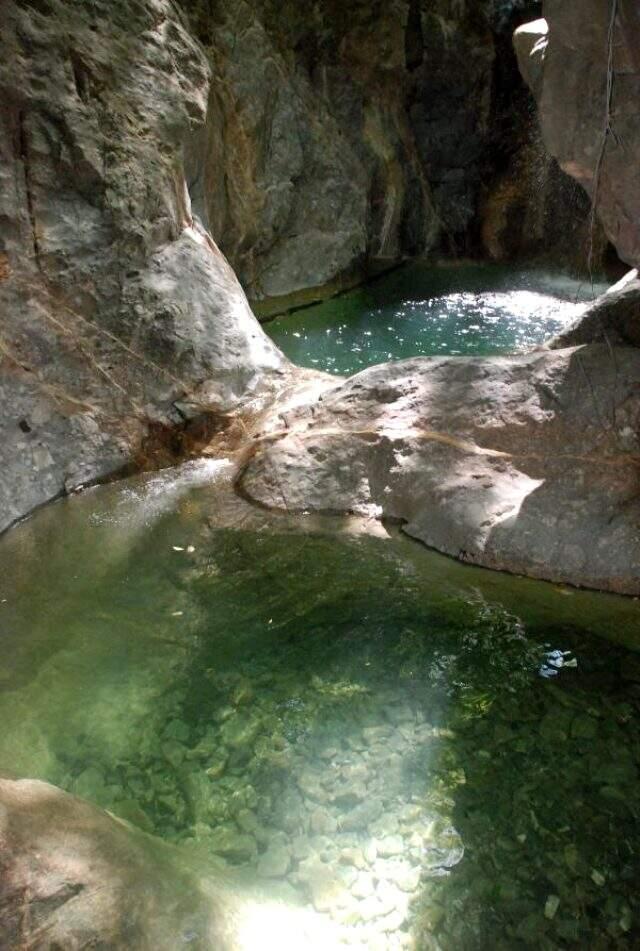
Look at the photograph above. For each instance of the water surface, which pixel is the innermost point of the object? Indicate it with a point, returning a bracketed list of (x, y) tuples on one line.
[(429, 311), (416, 749)]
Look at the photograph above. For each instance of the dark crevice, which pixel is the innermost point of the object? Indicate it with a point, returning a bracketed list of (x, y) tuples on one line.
[(80, 76), (28, 182)]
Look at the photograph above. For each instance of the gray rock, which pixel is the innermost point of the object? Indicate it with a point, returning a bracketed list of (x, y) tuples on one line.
[(613, 318), (362, 815), (523, 463), (275, 862), (116, 882), (390, 845), (116, 304), (565, 61), (231, 844)]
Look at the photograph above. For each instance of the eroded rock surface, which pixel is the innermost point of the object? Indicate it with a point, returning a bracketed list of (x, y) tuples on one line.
[(115, 303), (527, 463)]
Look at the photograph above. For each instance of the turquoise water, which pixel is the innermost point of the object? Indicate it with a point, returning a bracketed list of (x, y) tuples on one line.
[(425, 754), (428, 311)]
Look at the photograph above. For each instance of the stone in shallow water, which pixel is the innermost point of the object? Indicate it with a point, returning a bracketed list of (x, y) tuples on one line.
[(399, 872), (390, 845), (326, 889), (240, 731), (353, 856), (363, 814), (364, 886), (386, 825), (275, 862), (174, 753), (322, 822), (231, 844), (216, 768), (177, 730)]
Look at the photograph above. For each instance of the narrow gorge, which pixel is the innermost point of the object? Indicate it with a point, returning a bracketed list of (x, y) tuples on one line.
[(310, 316)]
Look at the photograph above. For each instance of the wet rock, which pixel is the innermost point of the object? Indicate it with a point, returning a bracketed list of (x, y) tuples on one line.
[(275, 862), (91, 785), (386, 825), (322, 822), (131, 811), (177, 730), (175, 753), (240, 731), (362, 815), (390, 845), (400, 873), (231, 844), (363, 886), (215, 769), (353, 856), (115, 887), (326, 889), (300, 848), (497, 461)]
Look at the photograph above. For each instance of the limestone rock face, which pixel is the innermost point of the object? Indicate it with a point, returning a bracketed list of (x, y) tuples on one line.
[(526, 463), (587, 90), (115, 302)]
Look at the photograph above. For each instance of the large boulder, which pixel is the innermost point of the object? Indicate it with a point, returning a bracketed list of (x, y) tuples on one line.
[(614, 317), (526, 463), (583, 66), (117, 307)]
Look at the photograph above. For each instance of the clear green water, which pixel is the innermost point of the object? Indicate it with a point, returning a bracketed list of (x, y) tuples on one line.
[(429, 311), (369, 723)]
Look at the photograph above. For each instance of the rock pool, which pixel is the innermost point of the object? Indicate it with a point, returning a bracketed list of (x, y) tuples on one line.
[(423, 753), (431, 311)]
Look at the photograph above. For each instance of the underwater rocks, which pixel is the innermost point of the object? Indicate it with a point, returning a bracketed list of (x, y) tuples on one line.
[(526, 463), (116, 305), (332, 809)]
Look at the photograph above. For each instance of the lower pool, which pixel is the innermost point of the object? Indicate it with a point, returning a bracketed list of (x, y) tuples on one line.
[(424, 753)]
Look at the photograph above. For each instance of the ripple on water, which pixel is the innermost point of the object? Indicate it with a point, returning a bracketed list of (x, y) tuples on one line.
[(432, 312)]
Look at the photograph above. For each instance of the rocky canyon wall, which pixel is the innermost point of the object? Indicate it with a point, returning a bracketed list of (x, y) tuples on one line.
[(342, 140), (120, 317), (582, 62)]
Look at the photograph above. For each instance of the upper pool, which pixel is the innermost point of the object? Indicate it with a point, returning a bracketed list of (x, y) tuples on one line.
[(429, 311)]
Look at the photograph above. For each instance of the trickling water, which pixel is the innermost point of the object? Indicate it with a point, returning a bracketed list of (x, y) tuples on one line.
[(425, 311), (419, 750)]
